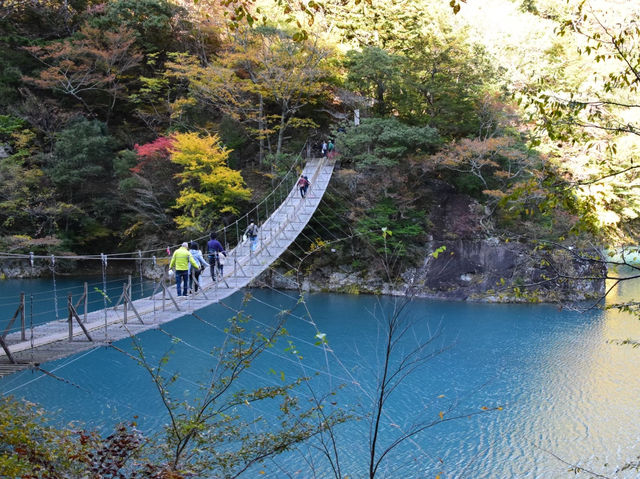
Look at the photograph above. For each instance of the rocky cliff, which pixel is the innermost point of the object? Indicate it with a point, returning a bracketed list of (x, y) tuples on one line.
[(473, 263), (473, 270)]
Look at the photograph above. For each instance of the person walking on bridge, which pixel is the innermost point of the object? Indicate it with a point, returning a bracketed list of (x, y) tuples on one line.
[(194, 274), (303, 184), (181, 259), (215, 249), (252, 234)]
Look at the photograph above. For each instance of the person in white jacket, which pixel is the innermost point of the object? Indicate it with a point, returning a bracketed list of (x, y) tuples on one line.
[(194, 274), (252, 234)]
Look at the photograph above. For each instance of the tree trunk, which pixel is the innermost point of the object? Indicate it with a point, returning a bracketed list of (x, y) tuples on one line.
[(283, 125), (261, 129)]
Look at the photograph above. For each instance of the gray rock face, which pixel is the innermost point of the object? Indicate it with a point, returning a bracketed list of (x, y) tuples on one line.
[(468, 270), (21, 269), (488, 270), (5, 151)]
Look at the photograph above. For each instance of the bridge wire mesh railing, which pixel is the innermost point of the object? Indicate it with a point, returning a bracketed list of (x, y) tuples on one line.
[(231, 235)]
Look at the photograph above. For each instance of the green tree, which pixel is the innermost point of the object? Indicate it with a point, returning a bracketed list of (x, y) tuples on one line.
[(432, 73), (389, 25), (27, 200), (447, 77), (382, 142), (157, 23), (81, 165), (375, 73), (399, 229), (81, 169)]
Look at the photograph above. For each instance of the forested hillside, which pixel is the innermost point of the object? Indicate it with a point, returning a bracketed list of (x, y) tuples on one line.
[(133, 123)]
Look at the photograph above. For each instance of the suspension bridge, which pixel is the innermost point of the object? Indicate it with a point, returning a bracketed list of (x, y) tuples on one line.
[(281, 216)]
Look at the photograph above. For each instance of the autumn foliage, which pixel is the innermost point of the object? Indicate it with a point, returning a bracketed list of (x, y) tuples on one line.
[(149, 153), (210, 189)]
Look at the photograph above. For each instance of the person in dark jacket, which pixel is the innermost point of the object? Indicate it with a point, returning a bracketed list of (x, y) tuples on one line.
[(215, 250)]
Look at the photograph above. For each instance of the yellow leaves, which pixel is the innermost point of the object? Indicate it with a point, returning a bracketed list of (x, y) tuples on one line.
[(179, 106), (210, 186), (317, 244), (495, 193)]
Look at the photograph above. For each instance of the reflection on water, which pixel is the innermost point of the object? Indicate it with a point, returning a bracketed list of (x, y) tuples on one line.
[(565, 387)]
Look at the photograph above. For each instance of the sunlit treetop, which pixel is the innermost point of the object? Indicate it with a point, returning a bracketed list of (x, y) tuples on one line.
[(300, 14)]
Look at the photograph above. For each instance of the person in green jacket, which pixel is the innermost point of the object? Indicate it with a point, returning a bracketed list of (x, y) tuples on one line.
[(180, 260)]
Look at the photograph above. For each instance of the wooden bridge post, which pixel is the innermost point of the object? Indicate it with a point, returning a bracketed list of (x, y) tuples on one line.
[(127, 303), (20, 311), (72, 314), (23, 336)]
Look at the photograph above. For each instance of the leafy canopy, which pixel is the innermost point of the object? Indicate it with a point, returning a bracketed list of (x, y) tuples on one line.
[(384, 141), (210, 187)]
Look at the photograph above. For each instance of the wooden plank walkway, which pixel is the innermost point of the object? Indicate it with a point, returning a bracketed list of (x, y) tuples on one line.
[(50, 341)]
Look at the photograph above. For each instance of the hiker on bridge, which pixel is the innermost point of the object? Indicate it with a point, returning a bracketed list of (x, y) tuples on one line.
[(303, 184), (216, 250), (252, 234), (181, 259), (194, 274)]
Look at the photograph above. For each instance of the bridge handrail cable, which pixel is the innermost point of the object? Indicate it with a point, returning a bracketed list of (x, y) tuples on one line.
[(137, 255)]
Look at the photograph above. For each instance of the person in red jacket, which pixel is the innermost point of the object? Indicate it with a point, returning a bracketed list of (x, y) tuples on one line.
[(303, 184)]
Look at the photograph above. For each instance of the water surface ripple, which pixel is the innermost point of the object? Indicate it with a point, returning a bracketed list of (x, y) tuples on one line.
[(565, 388)]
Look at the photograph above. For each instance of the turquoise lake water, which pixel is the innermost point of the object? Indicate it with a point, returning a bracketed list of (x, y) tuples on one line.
[(565, 388)]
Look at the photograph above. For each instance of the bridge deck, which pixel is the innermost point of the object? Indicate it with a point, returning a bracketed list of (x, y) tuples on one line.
[(50, 341)]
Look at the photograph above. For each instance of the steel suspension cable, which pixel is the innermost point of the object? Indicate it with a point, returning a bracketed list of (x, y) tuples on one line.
[(55, 293)]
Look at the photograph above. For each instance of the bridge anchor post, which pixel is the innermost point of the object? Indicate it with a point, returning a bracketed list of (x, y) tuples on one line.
[(74, 314)]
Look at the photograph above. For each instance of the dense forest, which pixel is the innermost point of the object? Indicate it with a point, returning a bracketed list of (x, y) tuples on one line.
[(127, 124)]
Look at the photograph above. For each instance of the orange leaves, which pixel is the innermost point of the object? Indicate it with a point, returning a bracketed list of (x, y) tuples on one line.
[(494, 193), (493, 160), (94, 61)]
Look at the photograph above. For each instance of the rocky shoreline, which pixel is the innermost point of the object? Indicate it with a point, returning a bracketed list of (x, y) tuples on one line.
[(466, 270)]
